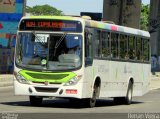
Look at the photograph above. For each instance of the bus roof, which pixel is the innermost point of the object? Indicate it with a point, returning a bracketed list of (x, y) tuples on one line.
[(116, 28), (96, 24)]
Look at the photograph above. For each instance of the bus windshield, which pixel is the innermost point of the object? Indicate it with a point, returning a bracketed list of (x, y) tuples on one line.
[(44, 51)]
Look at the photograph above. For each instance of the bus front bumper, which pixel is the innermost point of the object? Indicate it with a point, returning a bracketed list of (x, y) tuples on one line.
[(48, 90)]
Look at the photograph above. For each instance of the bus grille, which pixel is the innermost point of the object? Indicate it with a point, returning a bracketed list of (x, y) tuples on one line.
[(36, 82), (47, 76), (51, 78), (46, 90)]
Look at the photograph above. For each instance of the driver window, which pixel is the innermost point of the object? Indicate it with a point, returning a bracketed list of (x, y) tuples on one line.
[(88, 46)]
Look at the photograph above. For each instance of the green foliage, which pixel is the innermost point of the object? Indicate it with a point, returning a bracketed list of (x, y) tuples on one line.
[(145, 9), (43, 10)]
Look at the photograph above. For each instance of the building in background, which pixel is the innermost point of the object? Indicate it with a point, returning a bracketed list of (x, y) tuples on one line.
[(11, 12)]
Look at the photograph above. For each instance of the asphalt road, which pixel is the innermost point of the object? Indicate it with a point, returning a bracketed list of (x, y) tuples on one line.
[(11, 105)]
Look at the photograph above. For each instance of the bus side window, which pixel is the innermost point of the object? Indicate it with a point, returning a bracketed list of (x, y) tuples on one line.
[(146, 49), (88, 47), (97, 44), (114, 45), (123, 47), (132, 48), (105, 36), (139, 49)]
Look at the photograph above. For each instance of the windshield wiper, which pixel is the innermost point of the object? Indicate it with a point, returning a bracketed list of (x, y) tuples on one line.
[(59, 42)]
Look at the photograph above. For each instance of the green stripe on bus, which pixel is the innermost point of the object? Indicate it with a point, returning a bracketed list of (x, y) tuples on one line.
[(117, 73)]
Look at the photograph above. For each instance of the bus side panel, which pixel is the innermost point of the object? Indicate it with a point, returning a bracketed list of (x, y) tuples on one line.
[(113, 79), (115, 76), (101, 70), (147, 79), (142, 79), (118, 78), (137, 76), (88, 82)]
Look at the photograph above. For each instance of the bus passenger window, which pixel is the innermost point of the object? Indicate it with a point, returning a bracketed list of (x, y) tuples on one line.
[(138, 54), (123, 47), (131, 49), (97, 44), (114, 45), (139, 49), (146, 49), (105, 36)]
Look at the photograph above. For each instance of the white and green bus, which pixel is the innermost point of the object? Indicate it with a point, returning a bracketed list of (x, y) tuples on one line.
[(78, 58)]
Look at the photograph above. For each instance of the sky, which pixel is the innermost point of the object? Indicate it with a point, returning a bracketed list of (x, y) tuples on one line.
[(74, 7)]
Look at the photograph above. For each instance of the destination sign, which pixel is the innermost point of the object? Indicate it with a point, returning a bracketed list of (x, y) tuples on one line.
[(51, 25)]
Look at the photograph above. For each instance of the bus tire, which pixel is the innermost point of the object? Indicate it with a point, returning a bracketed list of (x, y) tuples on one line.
[(35, 101), (128, 98), (92, 101)]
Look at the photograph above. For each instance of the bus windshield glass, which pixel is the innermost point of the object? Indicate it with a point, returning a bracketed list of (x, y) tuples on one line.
[(46, 51)]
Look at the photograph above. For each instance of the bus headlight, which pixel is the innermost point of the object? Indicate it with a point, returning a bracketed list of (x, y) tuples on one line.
[(20, 78), (73, 81)]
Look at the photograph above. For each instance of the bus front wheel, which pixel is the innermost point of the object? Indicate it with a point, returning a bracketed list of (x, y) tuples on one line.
[(35, 101), (92, 101)]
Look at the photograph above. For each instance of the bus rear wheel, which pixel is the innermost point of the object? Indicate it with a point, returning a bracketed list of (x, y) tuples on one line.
[(35, 101), (128, 98)]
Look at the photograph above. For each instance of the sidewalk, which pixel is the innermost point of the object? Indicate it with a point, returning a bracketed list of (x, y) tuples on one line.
[(6, 81), (155, 81)]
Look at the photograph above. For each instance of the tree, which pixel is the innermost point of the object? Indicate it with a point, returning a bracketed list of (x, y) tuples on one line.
[(145, 9), (43, 10)]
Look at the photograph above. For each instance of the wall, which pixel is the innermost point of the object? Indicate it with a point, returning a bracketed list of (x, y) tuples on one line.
[(11, 12)]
